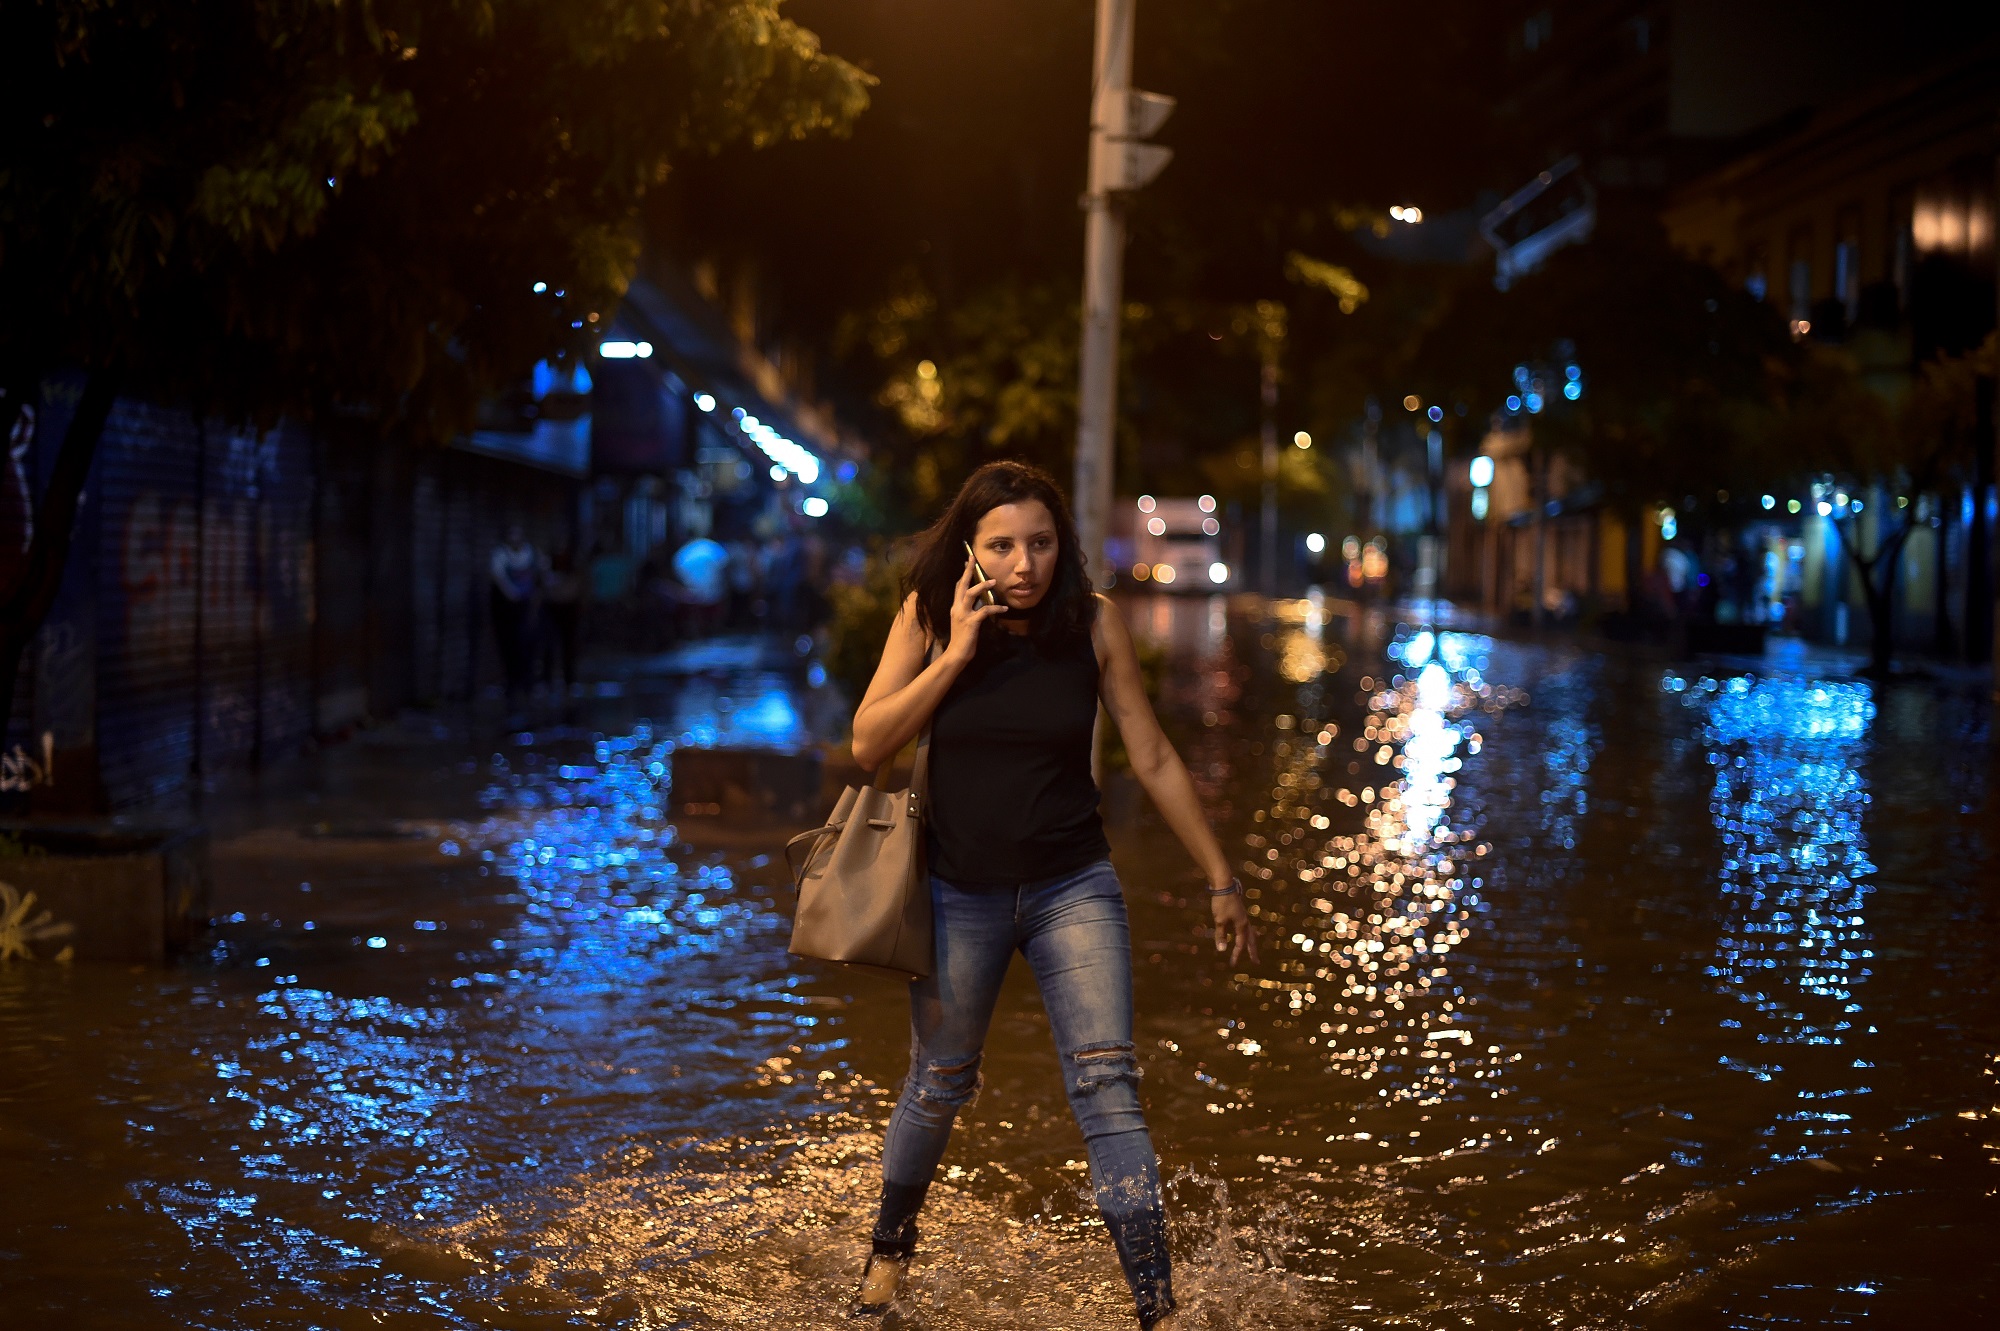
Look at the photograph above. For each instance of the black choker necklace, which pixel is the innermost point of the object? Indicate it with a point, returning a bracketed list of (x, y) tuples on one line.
[(1015, 612)]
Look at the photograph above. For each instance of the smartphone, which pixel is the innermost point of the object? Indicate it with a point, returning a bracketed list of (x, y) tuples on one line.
[(980, 573)]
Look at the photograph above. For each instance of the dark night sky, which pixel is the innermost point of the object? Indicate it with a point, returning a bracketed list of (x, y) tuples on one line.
[(971, 158), (968, 164)]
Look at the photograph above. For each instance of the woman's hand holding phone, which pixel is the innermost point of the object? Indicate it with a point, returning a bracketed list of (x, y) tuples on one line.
[(971, 605)]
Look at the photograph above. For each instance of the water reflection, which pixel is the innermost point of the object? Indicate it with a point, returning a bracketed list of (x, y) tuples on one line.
[(1540, 926), (1789, 797), (1367, 881)]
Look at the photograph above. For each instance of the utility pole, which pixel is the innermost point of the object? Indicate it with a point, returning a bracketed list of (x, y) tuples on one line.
[(1271, 329), (1120, 119)]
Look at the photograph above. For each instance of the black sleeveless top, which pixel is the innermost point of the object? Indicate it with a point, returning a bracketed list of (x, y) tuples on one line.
[(1012, 799)]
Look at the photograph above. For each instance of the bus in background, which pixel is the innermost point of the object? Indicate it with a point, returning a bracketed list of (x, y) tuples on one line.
[(1172, 544)]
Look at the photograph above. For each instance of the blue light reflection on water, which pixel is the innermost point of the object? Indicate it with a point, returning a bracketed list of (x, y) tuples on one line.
[(1789, 797), (616, 972), (756, 710)]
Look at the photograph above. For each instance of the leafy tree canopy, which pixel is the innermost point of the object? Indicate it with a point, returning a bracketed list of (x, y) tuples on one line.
[(290, 206)]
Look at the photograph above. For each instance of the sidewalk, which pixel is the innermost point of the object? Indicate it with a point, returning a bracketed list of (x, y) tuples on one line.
[(401, 789)]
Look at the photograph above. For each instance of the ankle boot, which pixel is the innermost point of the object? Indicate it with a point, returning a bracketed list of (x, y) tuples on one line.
[(881, 1281)]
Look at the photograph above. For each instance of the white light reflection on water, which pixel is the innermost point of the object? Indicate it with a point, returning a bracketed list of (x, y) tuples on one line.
[(1368, 916), (1789, 797)]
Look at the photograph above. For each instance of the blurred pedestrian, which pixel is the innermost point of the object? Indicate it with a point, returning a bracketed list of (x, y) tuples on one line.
[(745, 574), (562, 599), (784, 571), (516, 574)]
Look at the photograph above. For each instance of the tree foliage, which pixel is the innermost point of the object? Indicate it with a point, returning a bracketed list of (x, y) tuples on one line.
[(994, 376), (1848, 440), (1684, 378), (289, 206)]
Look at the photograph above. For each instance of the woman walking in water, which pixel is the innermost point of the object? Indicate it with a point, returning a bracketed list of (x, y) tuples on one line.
[(1006, 652)]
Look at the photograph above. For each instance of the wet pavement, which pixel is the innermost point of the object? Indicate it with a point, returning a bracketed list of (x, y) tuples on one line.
[(1598, 992)]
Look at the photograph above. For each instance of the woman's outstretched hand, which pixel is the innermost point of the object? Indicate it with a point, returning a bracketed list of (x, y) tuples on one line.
[(1234, 933), (968, 611)]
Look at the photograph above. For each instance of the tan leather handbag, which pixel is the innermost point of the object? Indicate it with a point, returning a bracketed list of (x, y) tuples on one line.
[(864, 888)]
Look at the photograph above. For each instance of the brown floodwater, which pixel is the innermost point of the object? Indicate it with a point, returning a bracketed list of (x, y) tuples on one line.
[(1597, 992)]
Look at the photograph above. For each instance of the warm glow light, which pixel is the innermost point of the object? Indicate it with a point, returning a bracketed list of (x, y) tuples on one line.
[(1147, 504), (1141, 572), (1407, 212), (1206, 503), (1209, 526), (1410, 403), (1157, 526), (1163, 573), (1302, 439)]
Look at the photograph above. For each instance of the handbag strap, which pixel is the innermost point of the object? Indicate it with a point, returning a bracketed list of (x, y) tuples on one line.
[(920, 771)]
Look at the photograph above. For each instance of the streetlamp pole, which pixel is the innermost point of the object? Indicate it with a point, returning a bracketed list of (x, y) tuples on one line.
[(1268, 440), (1119, 162)]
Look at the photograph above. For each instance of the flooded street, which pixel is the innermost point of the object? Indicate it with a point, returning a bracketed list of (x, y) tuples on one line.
[(1596, 992)]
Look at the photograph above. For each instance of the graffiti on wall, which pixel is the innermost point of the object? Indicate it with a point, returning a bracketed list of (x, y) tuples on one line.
[(17, 504), (21, 771)]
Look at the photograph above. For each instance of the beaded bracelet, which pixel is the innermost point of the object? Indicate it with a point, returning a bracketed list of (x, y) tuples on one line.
[(1235, 887)]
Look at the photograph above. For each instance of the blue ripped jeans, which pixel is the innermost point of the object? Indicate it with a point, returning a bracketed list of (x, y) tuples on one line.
[(1073, 931)]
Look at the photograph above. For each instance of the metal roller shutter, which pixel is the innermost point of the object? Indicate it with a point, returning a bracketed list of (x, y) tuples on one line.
[(233, 467), (285, 558), (342, 579), (462, 586), (426, 579), (148, 464)]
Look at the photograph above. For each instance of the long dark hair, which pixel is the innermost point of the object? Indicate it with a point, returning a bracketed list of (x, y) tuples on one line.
[(1070, 606)]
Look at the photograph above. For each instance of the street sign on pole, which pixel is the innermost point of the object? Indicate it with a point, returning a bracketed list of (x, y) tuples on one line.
[(1120, 118)]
